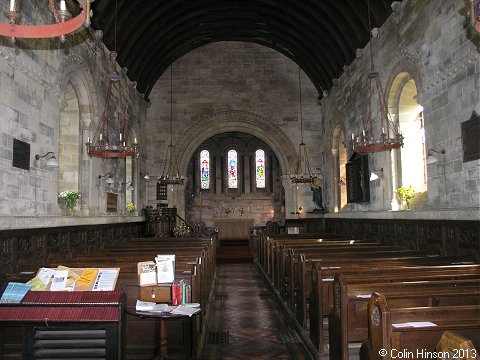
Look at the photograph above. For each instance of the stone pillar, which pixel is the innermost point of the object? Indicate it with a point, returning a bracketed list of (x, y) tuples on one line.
[(336, 180), (247, 178), (86, 180), (290, 197), (176, 197), (218, 175)]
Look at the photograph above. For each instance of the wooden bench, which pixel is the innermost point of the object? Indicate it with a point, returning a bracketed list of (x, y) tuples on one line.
[(348, 322), (321, 300), (389, 333)]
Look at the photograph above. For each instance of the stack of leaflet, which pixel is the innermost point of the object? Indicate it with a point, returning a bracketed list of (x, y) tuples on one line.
[(14, 292), (186, 309), (165, 268)]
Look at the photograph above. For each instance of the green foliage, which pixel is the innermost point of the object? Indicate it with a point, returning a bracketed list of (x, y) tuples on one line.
[(70, 198), (405, 195)]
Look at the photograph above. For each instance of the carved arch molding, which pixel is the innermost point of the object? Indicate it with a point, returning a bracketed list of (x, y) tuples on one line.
[(206, 126)]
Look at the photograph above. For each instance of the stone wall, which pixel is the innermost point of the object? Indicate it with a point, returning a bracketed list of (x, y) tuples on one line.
[(433, 43), (428, 39), (41, 82)]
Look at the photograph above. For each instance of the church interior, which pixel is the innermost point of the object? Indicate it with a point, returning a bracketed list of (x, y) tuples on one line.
[(313, 167)]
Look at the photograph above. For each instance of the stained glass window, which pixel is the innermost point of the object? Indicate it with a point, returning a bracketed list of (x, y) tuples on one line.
[(232, 169), (260, 168), (204, 169)]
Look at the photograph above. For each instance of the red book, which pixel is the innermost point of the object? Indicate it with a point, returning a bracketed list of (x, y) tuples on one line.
[(176, 294)]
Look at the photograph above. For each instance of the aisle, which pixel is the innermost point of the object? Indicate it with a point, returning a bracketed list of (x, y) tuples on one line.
[(246, 322)]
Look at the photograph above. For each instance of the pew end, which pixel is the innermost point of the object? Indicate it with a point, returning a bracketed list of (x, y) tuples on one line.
[(378, 312), (457, 346)]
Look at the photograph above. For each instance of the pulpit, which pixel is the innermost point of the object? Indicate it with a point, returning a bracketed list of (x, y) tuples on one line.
[(233, 229), (160, 221)]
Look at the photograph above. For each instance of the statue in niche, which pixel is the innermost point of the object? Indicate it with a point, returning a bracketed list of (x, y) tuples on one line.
[(317, 196)]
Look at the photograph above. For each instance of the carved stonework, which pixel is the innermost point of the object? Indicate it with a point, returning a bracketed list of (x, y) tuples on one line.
[(259, 126)]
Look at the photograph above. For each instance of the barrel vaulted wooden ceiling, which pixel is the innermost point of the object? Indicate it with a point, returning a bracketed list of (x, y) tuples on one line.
[(321, 36)]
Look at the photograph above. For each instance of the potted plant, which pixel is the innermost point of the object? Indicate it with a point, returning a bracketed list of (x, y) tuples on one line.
[(405, 195), (70, 198)]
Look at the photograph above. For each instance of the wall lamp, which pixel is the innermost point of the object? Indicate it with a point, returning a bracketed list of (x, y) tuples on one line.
[(145, 175), (432, 159), (52, 162), (129, 187), (109, 179), (375, 174), (343, 181)]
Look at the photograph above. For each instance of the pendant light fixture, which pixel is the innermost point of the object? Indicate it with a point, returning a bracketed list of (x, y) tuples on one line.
[(64, 22), (303, 173), (171, 173), (390, 137), (112, 138)]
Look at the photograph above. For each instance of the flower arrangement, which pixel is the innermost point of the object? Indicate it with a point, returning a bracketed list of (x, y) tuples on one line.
[(242, 211), (228, 211), (182, 231), (405, 195), (131, 207), (70, 198)]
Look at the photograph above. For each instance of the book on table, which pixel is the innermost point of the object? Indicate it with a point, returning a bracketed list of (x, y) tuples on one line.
[(147, 273), (14, 293), (165, 268)]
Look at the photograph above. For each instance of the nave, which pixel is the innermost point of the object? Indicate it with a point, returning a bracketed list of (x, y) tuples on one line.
[(247, 322)]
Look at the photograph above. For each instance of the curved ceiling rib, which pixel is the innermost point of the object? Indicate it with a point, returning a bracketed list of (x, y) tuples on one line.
[(321, 36)]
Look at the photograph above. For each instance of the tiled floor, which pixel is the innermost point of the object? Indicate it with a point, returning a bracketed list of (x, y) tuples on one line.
[(246, 321)]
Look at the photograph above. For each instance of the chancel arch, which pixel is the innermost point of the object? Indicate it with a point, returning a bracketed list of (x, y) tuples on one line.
[(206, 126)]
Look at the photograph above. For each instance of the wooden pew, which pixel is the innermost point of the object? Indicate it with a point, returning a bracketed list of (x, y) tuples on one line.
[(456, 346), (348, 322), (299, 271), (321, 298), (388, 334), (194, 263)]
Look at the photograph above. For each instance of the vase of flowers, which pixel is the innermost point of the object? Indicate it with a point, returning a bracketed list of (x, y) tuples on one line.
[(405, 195), (131, 208), (70, 198), (182, 231)]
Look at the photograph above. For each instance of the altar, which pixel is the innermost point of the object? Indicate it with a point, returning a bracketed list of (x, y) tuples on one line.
[(233, 229)]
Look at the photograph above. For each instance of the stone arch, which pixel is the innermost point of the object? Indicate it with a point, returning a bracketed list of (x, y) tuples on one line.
[(206, 126), (404, 93), (407, 63), (74, 72)]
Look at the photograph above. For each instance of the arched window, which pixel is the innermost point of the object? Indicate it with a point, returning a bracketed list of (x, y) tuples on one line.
[(260, 168), (409, 161), (232, 164), (204, 169)]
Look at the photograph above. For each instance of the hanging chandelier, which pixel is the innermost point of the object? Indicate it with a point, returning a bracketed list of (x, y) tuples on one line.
[(64, 24), (303, 173), (474, 14), (112, 139), (390, 137), (171, 173)]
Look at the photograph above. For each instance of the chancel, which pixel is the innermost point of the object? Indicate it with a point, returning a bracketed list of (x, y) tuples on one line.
[(132, 131)]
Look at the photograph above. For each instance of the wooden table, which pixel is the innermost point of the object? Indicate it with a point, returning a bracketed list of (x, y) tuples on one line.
[(233, 229), (163, 317)]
